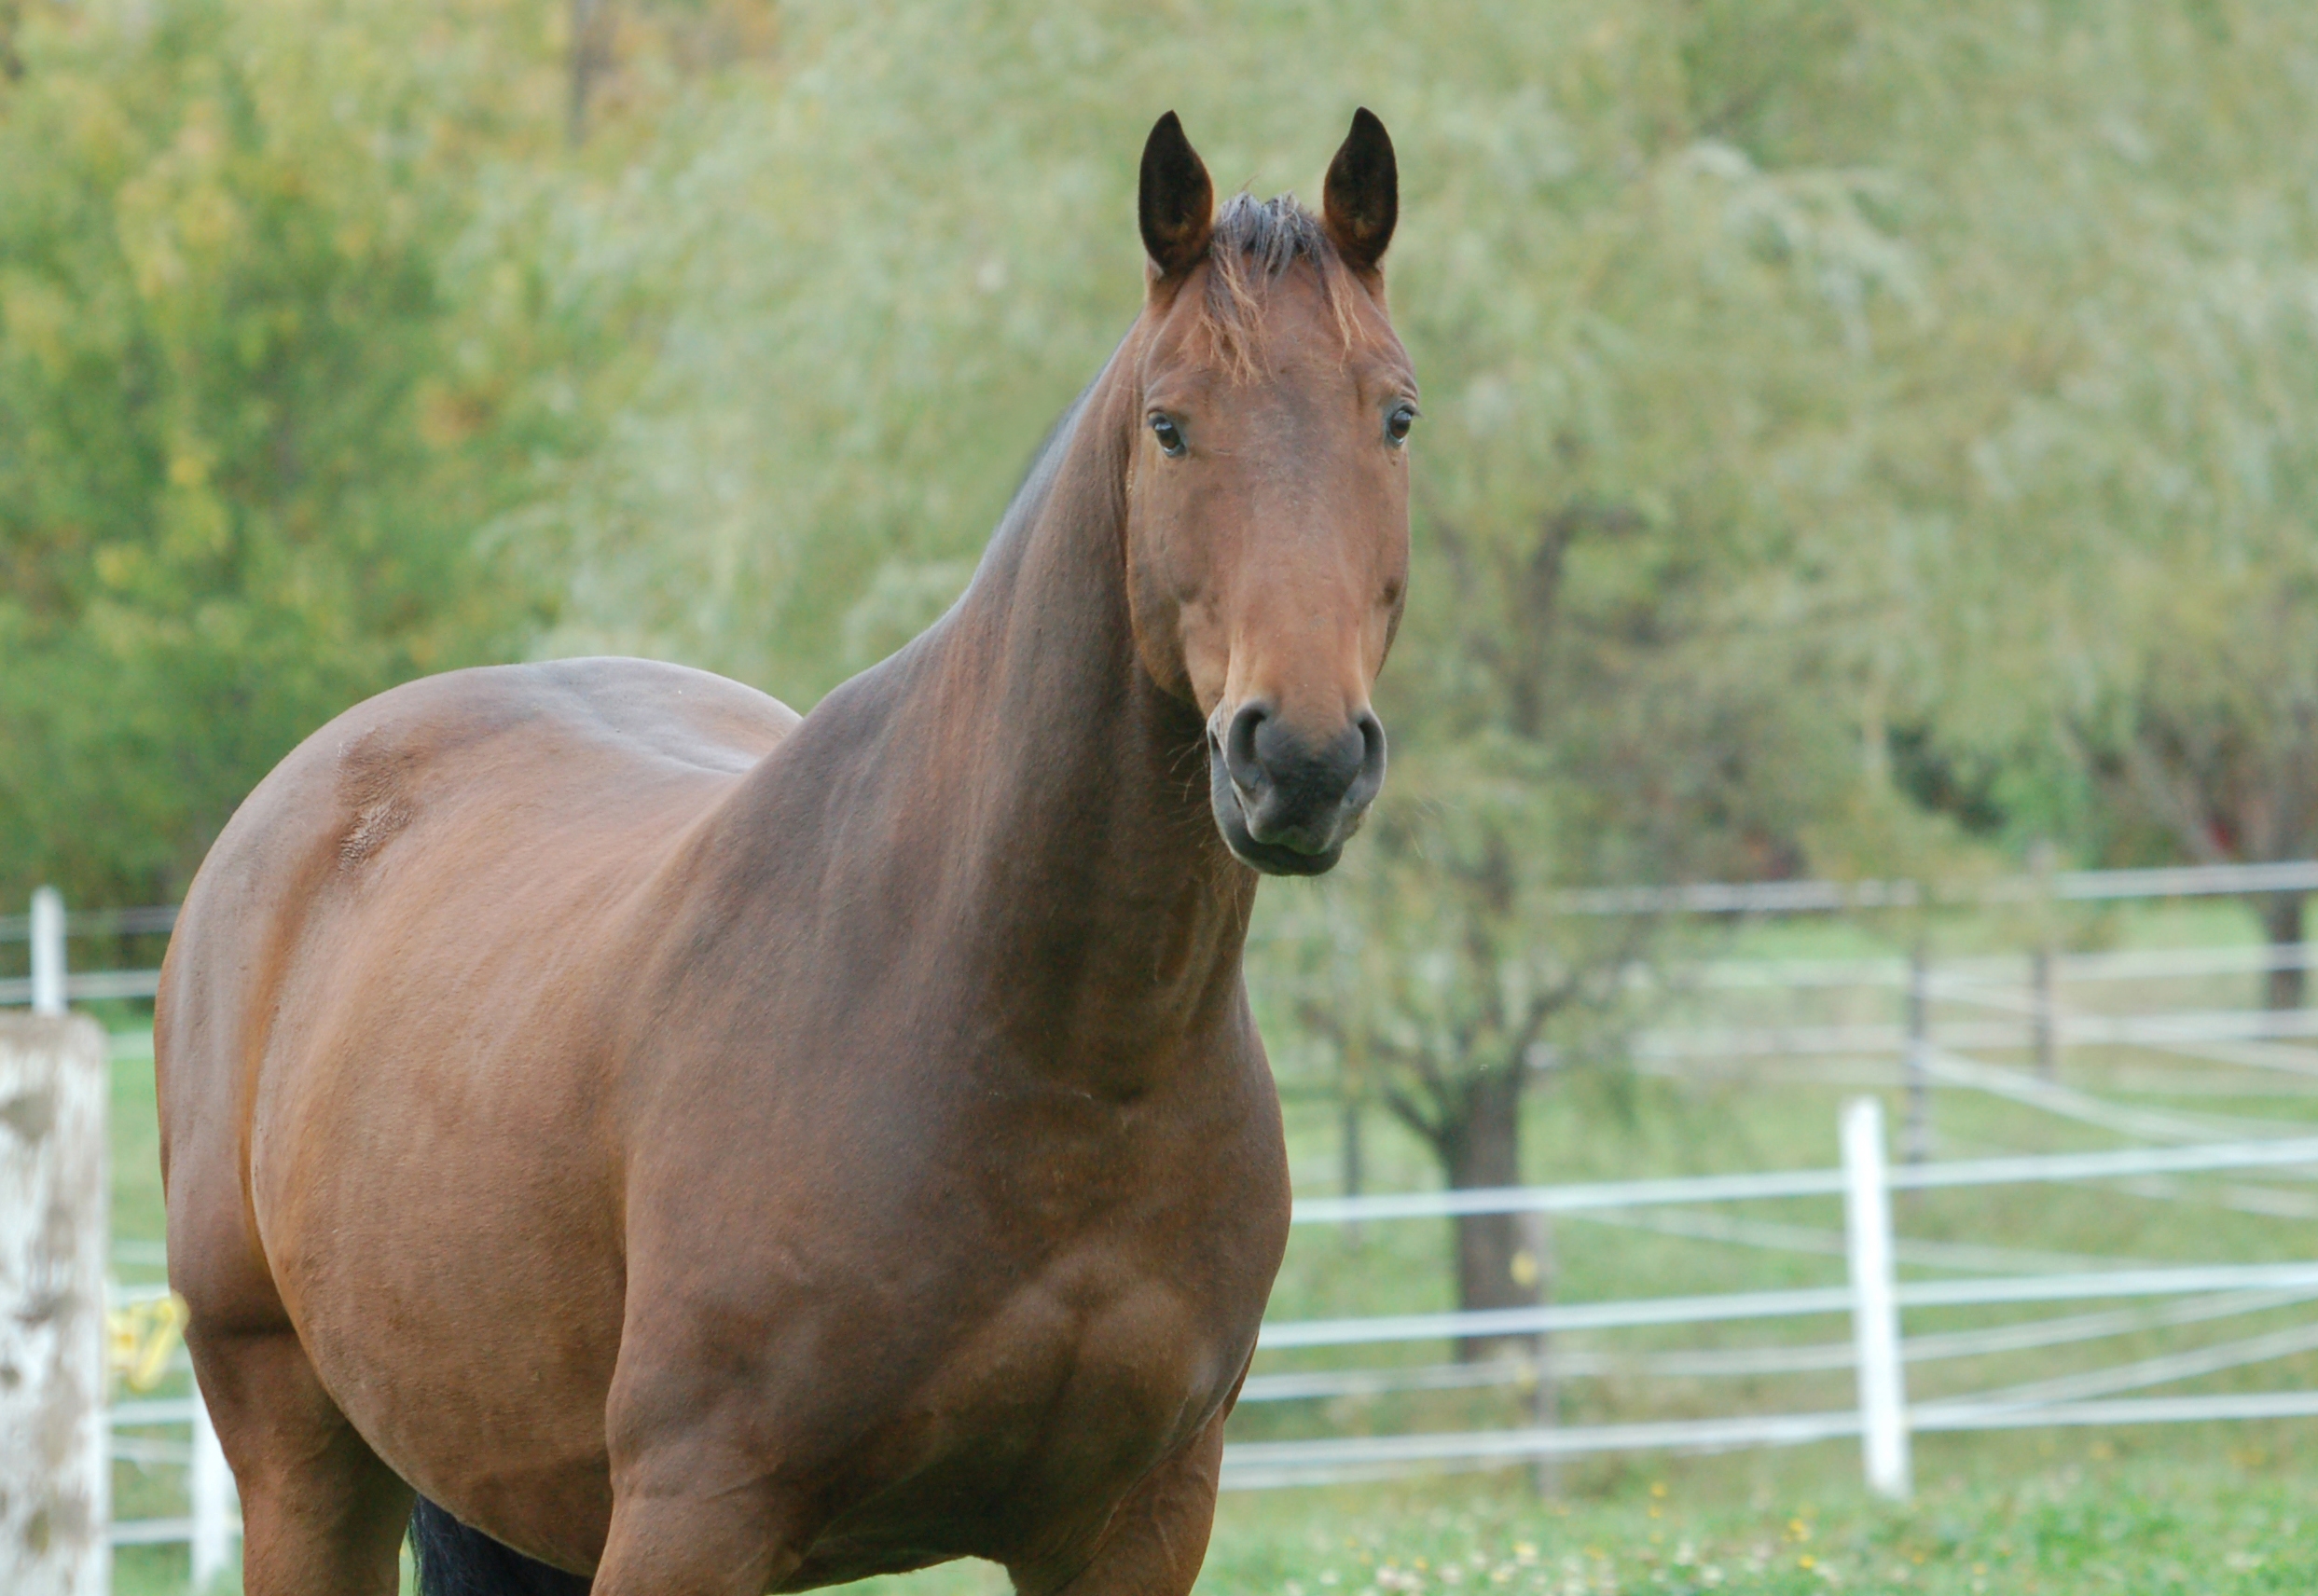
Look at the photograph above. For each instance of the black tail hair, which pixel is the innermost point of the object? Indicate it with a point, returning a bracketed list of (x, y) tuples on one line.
[(456, 1561)]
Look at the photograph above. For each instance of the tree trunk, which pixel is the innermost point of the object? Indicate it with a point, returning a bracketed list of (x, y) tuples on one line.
[(1480, 1145), (2281, 922), (589, 20)]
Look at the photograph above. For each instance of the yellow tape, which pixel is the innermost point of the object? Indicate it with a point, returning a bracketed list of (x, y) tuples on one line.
[(139, 1338)]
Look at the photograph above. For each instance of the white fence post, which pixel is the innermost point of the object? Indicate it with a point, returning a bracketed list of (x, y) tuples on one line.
[(55, 1463), (211, 1489), (48, 937), (1875, 1310)]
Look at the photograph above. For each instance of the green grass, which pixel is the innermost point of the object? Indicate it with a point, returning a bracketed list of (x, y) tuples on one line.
[(2144, 1526), (2214, 1513)]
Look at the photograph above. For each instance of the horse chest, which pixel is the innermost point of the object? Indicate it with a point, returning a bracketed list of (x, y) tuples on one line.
[(1115, 1303), (1029, 1430), (1134, 1281)]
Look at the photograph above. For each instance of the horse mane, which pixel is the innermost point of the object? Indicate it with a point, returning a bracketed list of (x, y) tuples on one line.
[(1252, 244)]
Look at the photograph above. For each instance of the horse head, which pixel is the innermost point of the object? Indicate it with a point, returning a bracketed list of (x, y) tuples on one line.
[(1267, 528)]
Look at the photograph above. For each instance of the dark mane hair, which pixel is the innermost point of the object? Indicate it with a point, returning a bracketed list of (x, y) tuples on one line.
[(1253, 243), (1269, 234)]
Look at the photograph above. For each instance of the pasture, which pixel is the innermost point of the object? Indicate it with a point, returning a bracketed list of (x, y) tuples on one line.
[(2213, 1513), (2205, 1507)]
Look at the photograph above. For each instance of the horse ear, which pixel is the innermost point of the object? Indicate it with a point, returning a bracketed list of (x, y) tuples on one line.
[(1362, 199), (1177, 202)]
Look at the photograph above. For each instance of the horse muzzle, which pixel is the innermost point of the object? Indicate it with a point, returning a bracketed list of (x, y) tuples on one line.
[(1285, 801)]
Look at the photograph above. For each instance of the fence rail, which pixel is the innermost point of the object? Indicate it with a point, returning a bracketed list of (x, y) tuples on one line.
[(212, 1522), (1257, 1464), (2286, 1151), (1874, 1299), (1836, 897)]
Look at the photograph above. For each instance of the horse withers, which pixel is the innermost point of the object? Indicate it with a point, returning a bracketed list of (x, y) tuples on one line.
[(698, 1149)]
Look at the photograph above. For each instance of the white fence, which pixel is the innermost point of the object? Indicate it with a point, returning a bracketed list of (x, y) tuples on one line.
[(212, 1522), (1873, 1300), (1837, 897), (2012, 1005)]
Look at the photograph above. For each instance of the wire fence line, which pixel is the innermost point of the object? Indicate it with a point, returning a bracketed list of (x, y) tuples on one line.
[(1837, 897)]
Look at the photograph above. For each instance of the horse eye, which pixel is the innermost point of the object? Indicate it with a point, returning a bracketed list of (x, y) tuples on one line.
[(1170, 435), (1397, 424)]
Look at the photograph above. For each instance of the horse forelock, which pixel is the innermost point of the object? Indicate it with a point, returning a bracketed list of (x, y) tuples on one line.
[(1253, 244)]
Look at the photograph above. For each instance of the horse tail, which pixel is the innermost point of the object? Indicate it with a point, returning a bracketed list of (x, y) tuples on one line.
[(456, 1561)]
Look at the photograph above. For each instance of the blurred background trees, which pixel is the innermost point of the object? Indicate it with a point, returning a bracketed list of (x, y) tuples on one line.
[(1860, 437), (255, 406)]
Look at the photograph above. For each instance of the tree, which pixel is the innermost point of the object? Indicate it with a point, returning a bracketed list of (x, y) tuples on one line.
[(253, 405), (2111, 477)]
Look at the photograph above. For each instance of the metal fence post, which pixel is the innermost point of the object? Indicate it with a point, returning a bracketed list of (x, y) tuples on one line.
[(2044, 972), (1919, 1055), (55, 1465), (1545, 1399), (2047, 1024), (212, 1489), (1875, 1310), (48, 937)]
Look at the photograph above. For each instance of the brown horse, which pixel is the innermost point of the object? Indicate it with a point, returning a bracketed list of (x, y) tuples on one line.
[(715, 1152)]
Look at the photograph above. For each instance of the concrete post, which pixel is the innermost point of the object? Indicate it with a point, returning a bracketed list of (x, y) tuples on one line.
[(55, 1473)]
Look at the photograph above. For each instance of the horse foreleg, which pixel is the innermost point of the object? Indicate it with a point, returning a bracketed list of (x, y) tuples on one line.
[(1158, 1538), (320, 1515), (676, 1531)]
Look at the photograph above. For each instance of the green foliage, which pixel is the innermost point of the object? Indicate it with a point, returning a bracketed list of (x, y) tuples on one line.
[(253, 405), (1834, 411), (2102, 479)]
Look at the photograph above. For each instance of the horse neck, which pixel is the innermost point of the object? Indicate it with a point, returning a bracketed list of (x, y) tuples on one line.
[(1106, 916)]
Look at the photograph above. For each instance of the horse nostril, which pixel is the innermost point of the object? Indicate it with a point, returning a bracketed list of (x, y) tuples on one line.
[(1277, 787), (1369, 780), (1241, 760)]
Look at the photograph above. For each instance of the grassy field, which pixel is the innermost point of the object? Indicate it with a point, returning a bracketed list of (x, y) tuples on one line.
[(2186, 1509), (2209, 1515), (2225, 1513)]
